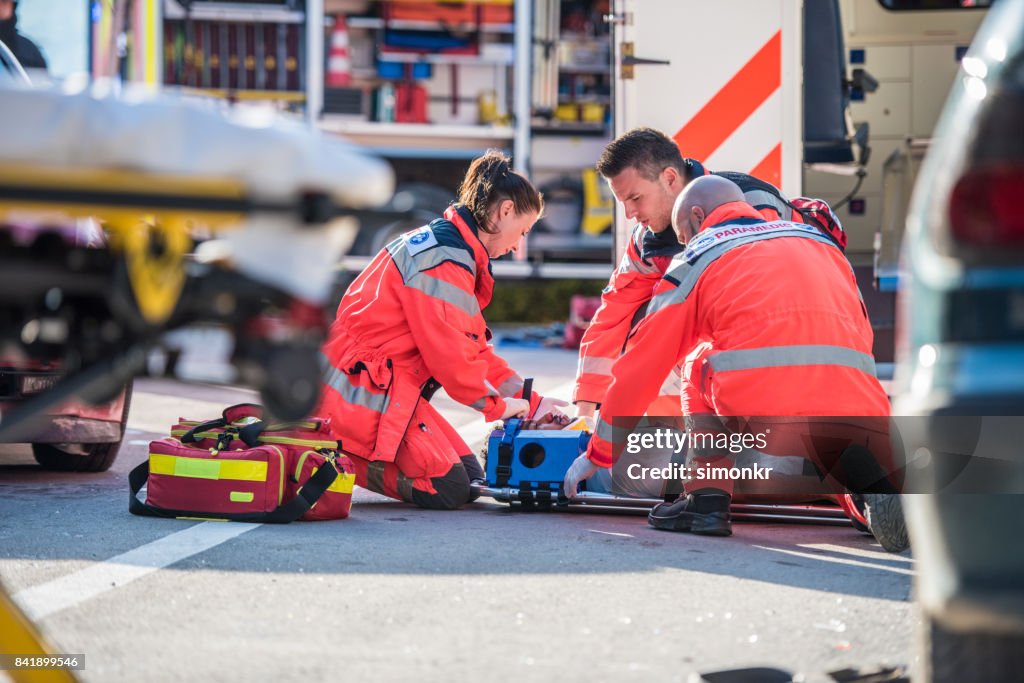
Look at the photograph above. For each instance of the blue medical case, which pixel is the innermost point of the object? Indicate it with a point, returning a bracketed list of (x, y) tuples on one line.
[(533, 462)]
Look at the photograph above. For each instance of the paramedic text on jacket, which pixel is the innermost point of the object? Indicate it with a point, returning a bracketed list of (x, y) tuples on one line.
[(780, 310), (646, 172), (412, 322)]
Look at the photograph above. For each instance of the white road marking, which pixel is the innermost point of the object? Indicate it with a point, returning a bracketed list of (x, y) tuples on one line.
[(839, 560), (610, 533), (67, 591), (859, 552)]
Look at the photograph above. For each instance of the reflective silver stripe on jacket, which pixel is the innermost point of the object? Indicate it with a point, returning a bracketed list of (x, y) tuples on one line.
[(604, 430), (594, 365), (510, 387), (628, 265), (481, 403), (446, 292), (783, 356), (673, 384), (352, 393), (409, 264), (412, 269), (687, 274), (762, 198)]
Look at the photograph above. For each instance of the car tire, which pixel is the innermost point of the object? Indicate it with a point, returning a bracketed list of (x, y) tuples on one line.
[(98, 457), (884, 513), (948, 656)]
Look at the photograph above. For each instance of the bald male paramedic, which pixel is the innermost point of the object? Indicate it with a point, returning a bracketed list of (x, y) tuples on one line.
[(646, 173), (788, 335)]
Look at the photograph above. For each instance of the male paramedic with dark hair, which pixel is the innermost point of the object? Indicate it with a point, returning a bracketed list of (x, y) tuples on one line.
[(778, 304), (646, 172), (412, 322)]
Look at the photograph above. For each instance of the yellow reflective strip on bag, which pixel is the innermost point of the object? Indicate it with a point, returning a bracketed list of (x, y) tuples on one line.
[(202, 468), (282, 426), (280, 487), (343, 484), (298, 466), (289, 441), (161, 464), (241, 496)]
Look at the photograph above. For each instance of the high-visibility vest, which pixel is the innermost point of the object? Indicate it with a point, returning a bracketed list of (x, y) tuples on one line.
[(410, 321), (624, 300), (778, 304)]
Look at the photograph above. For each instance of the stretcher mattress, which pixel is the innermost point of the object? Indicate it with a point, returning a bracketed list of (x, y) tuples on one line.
[(273, 158)]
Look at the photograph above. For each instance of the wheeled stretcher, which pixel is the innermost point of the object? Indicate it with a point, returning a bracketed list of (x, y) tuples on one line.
[(203, 218), (525, 468)]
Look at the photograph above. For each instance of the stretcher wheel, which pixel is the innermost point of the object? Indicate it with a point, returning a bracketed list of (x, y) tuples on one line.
[(886, 521)]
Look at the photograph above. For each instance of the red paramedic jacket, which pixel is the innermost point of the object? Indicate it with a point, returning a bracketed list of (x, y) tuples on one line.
[(779, 306), (410, 321), (630, 287)]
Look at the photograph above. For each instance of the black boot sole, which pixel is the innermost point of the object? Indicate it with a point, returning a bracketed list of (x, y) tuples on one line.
[(706, 524)]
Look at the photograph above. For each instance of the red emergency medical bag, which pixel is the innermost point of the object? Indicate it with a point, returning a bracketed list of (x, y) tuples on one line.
[(818, 213), (238, 467)]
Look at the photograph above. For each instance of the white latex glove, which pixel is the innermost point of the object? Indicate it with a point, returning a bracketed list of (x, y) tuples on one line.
[(515, 407), (585, 409), (580, 470), (549, 404)]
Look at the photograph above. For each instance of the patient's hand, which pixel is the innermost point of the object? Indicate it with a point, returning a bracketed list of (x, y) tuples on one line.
[(553, 420)]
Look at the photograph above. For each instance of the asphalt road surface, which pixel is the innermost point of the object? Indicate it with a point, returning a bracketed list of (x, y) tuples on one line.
[(396, 593)]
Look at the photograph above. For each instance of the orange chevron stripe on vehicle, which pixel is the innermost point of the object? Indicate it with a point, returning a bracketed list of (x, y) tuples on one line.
[(770, 168), (734, 102)]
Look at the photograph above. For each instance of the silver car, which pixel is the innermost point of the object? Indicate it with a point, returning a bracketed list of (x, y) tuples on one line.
[(960, 366)]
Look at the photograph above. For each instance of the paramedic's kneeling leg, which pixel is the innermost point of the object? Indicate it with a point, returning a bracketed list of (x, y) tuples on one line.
[(433, 468)]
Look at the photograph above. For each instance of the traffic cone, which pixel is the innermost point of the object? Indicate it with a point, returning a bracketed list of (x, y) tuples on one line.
[(339, 67)]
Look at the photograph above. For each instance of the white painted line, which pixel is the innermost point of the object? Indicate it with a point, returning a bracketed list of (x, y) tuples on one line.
[(67, 591), (610, 533), (839, 560), (862, 553)]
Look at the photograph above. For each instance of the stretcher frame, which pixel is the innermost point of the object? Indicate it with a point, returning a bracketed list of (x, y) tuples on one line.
[(607, 503)]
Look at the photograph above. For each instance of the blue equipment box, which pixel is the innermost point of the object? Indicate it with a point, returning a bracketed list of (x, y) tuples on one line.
[(534, 459)]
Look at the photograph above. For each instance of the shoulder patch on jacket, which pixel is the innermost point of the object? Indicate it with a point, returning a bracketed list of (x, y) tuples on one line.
[(419, 240), (428, 247)]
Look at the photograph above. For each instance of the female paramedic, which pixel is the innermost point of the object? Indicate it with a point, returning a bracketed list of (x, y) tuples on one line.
[(412, 322)]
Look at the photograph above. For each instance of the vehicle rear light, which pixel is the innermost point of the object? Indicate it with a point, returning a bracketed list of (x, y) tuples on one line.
[(985, 207)]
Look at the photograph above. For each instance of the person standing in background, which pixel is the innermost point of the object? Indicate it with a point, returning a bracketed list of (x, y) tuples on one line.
[(24, 49)]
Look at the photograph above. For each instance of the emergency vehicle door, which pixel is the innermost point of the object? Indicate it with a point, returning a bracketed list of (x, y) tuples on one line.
[(721, 77)]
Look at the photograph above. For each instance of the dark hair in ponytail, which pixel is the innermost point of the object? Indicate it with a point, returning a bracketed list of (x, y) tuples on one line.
[(489, 180)]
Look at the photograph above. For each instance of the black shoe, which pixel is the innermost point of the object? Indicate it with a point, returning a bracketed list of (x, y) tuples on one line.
[(703, 513)]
